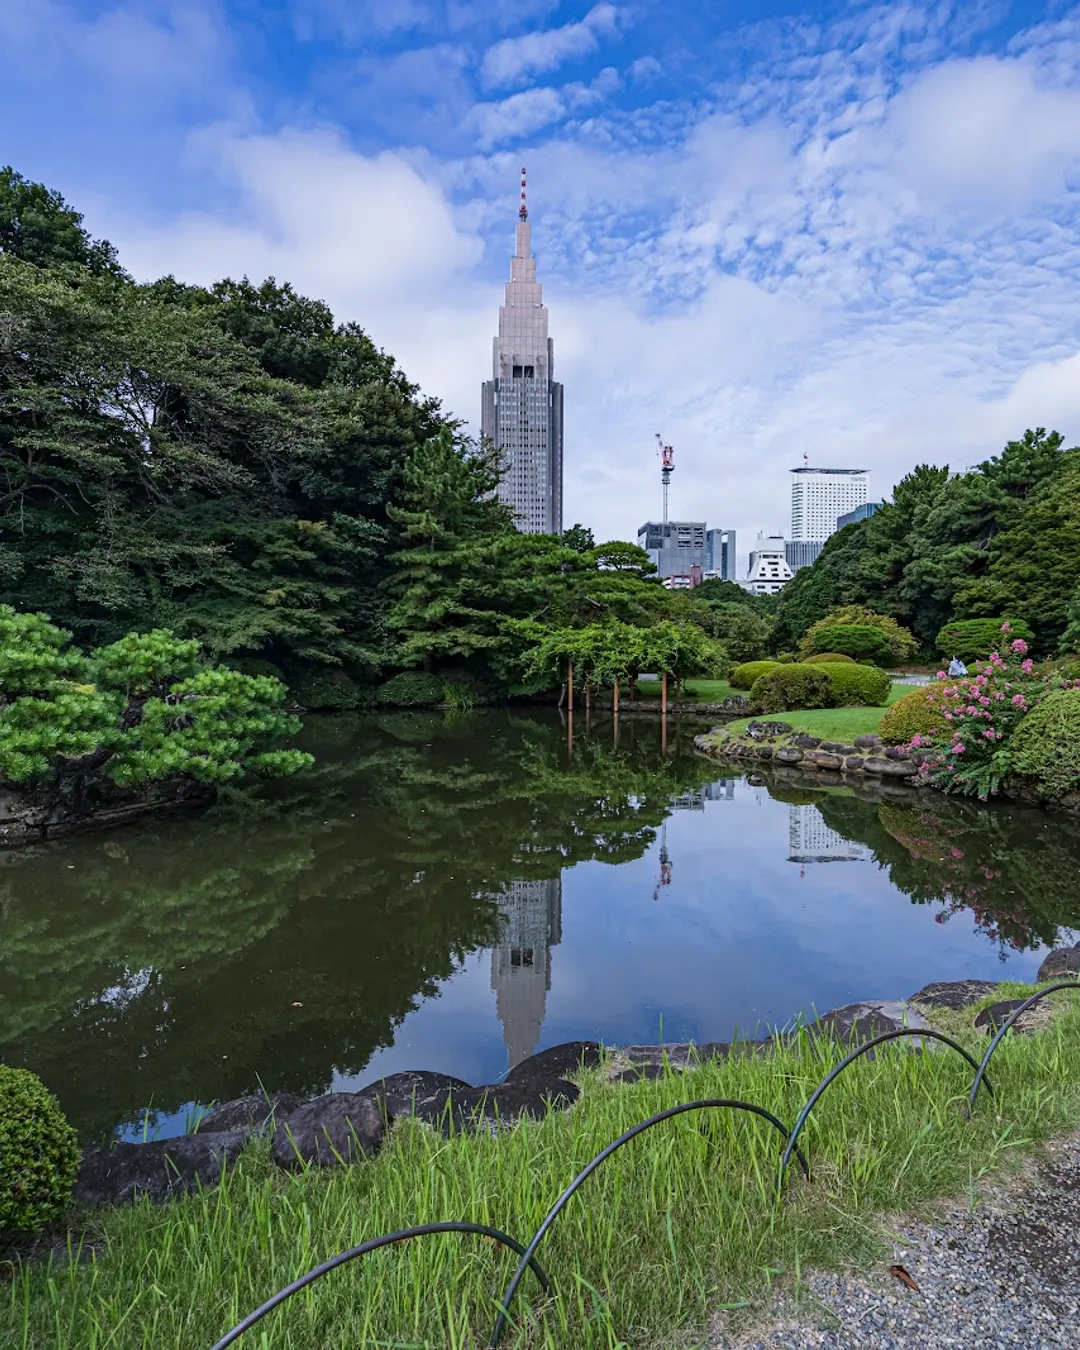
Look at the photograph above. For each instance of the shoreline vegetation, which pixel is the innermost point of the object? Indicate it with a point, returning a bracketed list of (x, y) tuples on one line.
[(679, 1230)]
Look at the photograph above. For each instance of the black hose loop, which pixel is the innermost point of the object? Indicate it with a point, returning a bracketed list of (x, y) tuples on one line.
[(555, 1210), (1009, 1022), (834, 1073), (401, 1235)]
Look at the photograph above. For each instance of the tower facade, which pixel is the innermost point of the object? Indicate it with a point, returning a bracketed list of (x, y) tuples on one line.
[(521, 963), (819, 497), (522, 404)]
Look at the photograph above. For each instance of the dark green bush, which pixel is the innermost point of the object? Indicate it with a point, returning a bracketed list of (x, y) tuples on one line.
[(411, 689), (970, 639), (39, 1155), (854, 640), (256, 665), (855, 686), (785, 688), (916, 714), (331, 690), (820, 658), (1045, 747), (744, 676)]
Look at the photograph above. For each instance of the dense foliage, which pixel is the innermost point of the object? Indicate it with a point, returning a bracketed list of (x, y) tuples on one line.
[(916, 714), (39, 1155), (818, 658), (855, 686), (1045, 748), (853, 639), (788, 687), (900, 644), (1000, 538), (141, 710), (970, 639), (745, 676)]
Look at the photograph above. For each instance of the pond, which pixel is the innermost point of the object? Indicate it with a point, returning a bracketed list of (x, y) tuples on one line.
[(454, 893)]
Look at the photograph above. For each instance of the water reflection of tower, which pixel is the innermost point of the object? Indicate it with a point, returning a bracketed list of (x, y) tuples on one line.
[(521, 963), (810, 839)]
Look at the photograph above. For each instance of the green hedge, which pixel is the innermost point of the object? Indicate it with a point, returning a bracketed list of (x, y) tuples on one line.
[(39, 1155), (785, 688), (916, 714), (853, 639), (855, 686), (822, 658), (744, 676), (332, 691), (1045, 747), (411, 689), (970, 639)]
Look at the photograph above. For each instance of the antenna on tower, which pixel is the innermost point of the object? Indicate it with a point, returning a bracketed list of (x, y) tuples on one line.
[(805, 460), (667, 467), (523, 213)]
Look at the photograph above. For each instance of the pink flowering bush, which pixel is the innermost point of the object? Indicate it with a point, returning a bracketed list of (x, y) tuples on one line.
[(970, 752)]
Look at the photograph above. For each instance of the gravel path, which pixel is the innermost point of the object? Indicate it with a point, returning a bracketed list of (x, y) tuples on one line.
[(1007, 1278)]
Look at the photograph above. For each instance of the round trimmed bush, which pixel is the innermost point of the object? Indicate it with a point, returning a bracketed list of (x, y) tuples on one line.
[(857, 640), (855, 686), (916, 714), (411, 689), (785, 688), (330, 690), (744, 676), (1045, 747), (825, 658), (39, 1155), (970, 639)]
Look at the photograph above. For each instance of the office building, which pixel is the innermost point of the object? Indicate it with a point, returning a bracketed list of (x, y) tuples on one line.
[(863, 512), (521, 963), (675, 548), (720, 554), (522, 405), (769, 570), (802, 552), (819, 497)]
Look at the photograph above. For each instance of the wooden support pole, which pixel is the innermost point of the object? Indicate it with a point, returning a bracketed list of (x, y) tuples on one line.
[(570, 688)]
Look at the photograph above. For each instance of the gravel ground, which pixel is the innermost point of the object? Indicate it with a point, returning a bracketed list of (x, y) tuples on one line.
[(1005, 1278)]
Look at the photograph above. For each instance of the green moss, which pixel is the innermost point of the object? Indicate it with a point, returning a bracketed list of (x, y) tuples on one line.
[(39, 1155)]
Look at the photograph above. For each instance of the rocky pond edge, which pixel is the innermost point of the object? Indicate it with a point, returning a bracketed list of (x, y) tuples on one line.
[(343, 1127)]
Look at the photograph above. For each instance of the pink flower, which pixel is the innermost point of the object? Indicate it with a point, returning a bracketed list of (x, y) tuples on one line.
[(999, 696), (989, 733), (984, 701), (1006, 627), (1019, 646), (957, 852), (959, 747), (971, 710), (948, 717), (1018, 701), (916, 741), (1028, 666), (940, 675)]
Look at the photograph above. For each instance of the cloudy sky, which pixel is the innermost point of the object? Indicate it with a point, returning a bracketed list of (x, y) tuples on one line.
[(765, 229)]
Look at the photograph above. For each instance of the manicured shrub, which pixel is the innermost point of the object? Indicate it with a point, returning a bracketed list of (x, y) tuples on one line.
[(916, 714), (331, 691), (970, 639), (857, 640), (744, 676), (902, 644), (1045, 747), (785, 688), (411, 689), (855, 686), (820, 658), (39, 1155), (256, 665)]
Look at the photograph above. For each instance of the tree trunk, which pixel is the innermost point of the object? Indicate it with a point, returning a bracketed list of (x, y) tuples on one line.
[(588, 698), (615, 700), (570, 688), (663, 694)]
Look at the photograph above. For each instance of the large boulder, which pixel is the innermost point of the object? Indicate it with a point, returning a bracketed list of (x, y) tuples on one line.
[(162, 1169), (254, 1114), (338, 1128), (415, 1092), (954, 994), (856, 1022), (1060, 964), (556, 1062), (488, 1108)]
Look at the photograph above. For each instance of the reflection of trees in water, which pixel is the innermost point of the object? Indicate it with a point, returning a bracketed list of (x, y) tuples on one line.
[(131, 964), (1013, 869)]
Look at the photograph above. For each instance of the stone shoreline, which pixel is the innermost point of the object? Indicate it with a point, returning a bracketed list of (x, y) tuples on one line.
[(774, 742), (344, 1127)]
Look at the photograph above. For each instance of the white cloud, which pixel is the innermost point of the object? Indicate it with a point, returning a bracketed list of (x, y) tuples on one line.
[(513, 59), (516, 116)]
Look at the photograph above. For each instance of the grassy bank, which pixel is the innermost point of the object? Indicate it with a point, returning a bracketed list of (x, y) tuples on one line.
[(832, 724), (702, 691), (680, 1222)]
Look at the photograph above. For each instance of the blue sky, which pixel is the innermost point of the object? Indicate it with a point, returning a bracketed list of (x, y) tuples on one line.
[(764, 229)]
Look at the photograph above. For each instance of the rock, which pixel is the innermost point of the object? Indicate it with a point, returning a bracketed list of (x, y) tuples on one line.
[(854, 764), (161, 1169), (837, 748), (856, 1022), (893, 768), (414, 1092), (824, 760), (953, 994), (870, 741), (640, 1073), (736, 704), (895, 752), (687, 1054), (788, 754), (340, 1127), (805, 741), (501, 1104), (760, 731), (252, 1114), (991, 1018), (762, 752), (1059, 964), (556, 1062)]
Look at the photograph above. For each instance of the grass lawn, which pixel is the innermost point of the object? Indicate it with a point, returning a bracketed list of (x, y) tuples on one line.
[(704, 691), (683, 1220), (831, 724)]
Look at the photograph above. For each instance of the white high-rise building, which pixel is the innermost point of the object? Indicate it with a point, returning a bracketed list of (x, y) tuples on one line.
[(522, 405), (769, 570), (819, 497)]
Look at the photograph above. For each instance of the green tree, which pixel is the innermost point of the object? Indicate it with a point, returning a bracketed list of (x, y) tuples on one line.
[(579, 538), (38, 226)]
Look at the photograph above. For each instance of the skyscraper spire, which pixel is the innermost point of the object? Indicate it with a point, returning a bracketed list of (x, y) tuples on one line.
[(523, 214)]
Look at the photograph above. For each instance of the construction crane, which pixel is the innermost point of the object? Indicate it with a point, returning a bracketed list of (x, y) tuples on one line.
[(667, 467)]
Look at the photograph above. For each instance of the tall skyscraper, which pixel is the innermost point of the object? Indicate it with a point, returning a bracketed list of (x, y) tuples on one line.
[(819, 497), (769, 570), (720, 553), (522, 405)]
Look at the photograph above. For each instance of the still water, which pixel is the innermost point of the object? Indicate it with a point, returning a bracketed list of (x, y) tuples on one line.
[(454, 894)]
